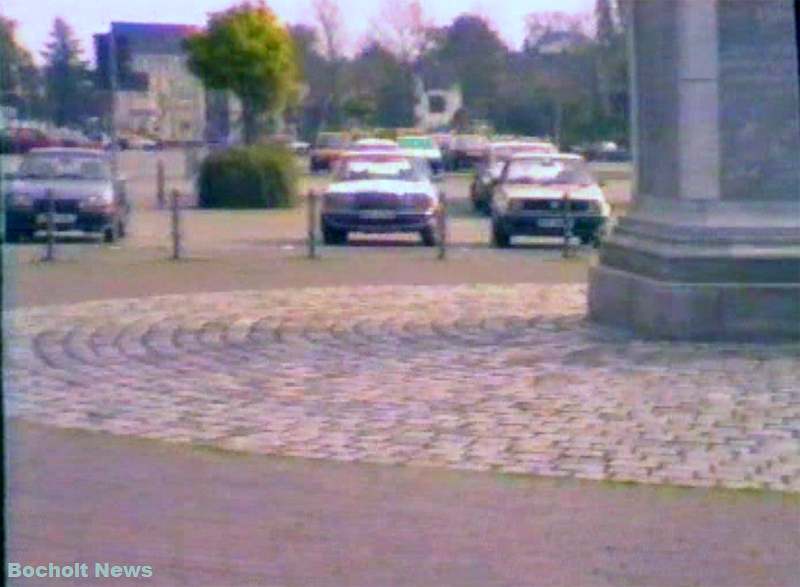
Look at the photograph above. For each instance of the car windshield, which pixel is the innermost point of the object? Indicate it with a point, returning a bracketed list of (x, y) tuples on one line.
[(416, 143), (379, 168), (548, 172), (63, 166)]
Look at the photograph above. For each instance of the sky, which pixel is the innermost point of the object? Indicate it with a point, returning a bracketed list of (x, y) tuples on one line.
[(87, 17)]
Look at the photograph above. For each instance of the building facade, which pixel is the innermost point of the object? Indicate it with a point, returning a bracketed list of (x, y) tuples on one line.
[(156, 94)]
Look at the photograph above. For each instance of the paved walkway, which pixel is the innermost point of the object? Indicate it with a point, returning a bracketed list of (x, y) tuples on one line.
[(208, 518), (504, 378)]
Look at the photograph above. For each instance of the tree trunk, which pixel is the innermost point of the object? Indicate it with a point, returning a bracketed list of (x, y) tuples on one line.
[(559, 121), (249, 122)]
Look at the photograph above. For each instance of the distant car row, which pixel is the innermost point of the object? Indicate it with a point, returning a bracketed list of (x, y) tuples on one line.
[(378, 187)]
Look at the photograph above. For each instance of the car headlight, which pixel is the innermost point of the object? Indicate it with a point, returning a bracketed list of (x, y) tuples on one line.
[(338, 201), (98, 201), (421, 202), (20, 200)]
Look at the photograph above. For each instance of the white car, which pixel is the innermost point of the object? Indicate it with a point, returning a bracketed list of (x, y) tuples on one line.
[(423, 148), (544, 194), (379, 192)]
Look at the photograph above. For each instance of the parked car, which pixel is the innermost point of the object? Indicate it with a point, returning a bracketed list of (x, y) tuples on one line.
[(328, 147), (20, 140), (380, 193), (376, 145), (488, 170), (466, 151), (423, 147), (86, 197), (538, 194)]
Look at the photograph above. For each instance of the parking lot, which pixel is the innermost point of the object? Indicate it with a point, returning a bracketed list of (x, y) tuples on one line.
[(229, 250)]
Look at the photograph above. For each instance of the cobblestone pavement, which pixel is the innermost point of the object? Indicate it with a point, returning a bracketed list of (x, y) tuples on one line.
[(507, 378)]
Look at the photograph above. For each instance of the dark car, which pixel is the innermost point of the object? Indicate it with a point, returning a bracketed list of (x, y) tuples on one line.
[(380, 193), (328, 147), (85, 196)]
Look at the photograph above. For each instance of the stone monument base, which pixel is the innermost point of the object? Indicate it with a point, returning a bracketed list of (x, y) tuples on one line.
[(746, 312)]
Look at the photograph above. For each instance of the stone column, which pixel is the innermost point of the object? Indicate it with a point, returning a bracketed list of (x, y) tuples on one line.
[(711, 247)]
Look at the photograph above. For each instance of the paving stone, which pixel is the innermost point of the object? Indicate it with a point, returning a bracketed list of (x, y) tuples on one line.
[(507, 378)]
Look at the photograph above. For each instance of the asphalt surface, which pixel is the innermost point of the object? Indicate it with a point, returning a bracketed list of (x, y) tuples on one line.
[(202, 517)]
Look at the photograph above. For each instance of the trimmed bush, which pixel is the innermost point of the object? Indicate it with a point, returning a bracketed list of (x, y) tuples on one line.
[(248, 177)]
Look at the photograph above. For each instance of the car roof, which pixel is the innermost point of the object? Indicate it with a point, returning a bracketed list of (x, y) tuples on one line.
[(375, 143), (564, 156), (377, 155), (83, 152)]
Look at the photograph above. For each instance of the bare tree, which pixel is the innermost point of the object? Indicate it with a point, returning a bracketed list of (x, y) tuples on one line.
[(540, 26), (403, 29), (329, 20)]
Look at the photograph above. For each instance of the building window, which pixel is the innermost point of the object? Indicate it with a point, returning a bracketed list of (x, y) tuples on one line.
[(437, 103)]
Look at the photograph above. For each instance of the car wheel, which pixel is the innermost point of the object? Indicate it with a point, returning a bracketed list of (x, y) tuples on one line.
[(429, 237), (110, 234), (333, 236), (500, 238), (13, 237)]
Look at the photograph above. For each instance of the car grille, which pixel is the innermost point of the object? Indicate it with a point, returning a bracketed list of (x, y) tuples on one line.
[(377, 202), (61, 206), (558, 206)]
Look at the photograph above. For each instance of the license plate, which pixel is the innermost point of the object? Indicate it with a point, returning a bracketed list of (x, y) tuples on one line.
[(378, 215), (551, 222), (57, 218)]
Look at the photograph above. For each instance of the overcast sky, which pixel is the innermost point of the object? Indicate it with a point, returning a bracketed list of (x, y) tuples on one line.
[(35, 17)]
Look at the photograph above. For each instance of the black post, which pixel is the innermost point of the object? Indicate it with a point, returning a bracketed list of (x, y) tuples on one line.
[(49, 254), (441, 222), (176, 226), (312, 224), (160, 183), (566, 204)]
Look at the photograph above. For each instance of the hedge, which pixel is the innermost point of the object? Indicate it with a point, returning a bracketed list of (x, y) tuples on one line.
[(248, 177)]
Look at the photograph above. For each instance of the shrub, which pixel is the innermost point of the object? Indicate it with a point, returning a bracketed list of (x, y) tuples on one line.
[(248, 177)]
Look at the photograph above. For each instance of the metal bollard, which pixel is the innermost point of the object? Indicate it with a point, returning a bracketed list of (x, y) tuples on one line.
[(312, 202), (160, 184), (441, 222), (49, 252), (176, 225), (567, 250)]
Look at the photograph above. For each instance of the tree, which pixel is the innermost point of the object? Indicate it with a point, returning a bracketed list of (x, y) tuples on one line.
[(329, 19), (20, 80), (606, 34), (477, 57), (246, 50), (403, 29), (380, 80), (67, 79)]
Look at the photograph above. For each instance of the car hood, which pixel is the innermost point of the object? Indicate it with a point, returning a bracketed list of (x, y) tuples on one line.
[(549, 192), (383, 186), (61, 188)]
